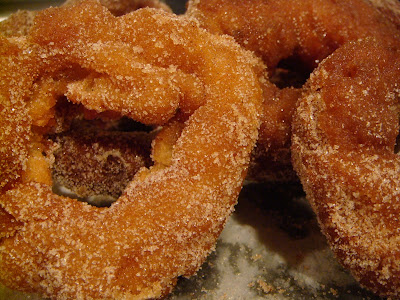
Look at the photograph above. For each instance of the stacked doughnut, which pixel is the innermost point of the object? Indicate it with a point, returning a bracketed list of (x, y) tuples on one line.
[(150, 66), (343, 137)]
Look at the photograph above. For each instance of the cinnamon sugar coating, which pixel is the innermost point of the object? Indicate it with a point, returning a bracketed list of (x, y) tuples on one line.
[(148, 65), (19, 23), (288, 36), (122, 7), (344, 137)]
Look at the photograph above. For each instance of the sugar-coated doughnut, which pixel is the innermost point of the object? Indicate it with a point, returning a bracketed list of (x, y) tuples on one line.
[(344, 139), (151, 66)]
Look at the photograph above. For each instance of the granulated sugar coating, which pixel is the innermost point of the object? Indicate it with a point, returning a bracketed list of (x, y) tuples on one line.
[(121, 7), (149, 65), (19, 23), (291, 37), (344, 136)]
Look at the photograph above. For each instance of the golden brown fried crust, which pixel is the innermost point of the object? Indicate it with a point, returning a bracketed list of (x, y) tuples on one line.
[(283, 31), (8, 224), (168, 218), (19, 23), (122, 7), (344, 136)]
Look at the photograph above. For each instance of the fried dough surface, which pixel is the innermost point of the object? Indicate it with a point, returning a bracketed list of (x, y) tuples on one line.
[(344, 137), (19, 23)]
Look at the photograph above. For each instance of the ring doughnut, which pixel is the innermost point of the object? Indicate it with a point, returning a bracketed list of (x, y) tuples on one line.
[(168, 218), (287, 35), (344, 138)]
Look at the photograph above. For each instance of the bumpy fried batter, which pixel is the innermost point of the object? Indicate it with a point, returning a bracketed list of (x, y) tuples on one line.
[(151, 66), (19, 23), (290, 37), (122, 7), (344, 137)]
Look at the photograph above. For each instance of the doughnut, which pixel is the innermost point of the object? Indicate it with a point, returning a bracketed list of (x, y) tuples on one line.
[(291, 37), (156, 68), (18, 23), (344, 150)]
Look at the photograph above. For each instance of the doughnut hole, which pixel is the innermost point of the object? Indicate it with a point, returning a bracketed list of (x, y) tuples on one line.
[(93, 157), (397, 145), (291, 72)]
